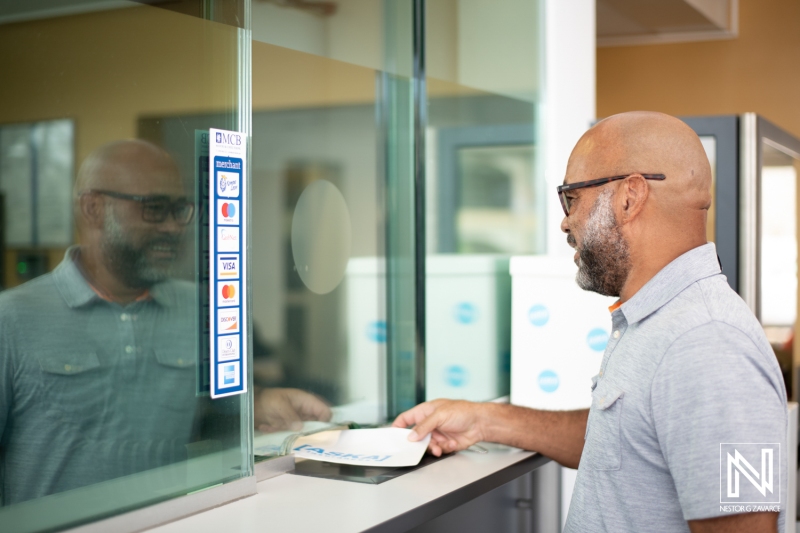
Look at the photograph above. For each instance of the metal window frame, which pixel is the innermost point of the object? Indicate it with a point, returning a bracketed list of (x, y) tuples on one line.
[(725, 129), (755, 131)]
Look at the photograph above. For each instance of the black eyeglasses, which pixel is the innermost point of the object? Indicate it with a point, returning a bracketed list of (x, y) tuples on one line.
[(562, 189), (156, 208)]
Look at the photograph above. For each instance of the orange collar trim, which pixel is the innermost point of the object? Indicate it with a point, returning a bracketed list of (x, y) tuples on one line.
[(616, 306)]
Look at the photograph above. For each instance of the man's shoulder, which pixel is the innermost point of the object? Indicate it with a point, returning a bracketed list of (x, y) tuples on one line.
[(715, 329), (36, 293)]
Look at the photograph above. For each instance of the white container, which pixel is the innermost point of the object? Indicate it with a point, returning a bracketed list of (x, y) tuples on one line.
[(468, 304), (558, 334)]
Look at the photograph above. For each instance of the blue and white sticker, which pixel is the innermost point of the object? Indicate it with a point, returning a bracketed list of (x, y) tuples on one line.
[(456, 376), (597, 339), (376, 331), (465, 313), (548, 381), (228, 375), (538, 315)]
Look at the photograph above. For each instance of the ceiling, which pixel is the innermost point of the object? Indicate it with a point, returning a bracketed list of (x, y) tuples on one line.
[(633, 22)]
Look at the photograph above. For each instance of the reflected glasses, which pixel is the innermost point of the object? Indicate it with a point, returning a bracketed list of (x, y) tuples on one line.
[(157, 208), (562, 189)]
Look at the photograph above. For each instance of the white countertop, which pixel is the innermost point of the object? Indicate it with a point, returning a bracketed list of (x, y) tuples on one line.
[(299, 503)]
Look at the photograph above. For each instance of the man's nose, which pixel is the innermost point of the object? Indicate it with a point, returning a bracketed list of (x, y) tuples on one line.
[(564, 225), (171, 226)]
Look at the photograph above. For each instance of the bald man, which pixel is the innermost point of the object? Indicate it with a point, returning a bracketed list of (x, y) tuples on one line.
[(98, 358), (687, 368)]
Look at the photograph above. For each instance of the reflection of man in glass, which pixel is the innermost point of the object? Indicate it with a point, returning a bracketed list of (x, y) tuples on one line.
[(97, 358)]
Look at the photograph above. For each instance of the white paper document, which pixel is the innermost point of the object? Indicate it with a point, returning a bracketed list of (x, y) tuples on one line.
[(363, 447)]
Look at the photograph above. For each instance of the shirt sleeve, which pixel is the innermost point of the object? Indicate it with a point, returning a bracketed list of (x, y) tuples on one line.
[(714, 386)]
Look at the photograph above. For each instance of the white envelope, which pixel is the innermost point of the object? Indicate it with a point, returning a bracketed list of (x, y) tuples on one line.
[(364, 447)]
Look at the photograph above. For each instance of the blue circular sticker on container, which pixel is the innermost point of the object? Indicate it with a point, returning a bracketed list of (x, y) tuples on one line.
[(548, 381), (465, 313), (376, 331), (597, 339), (538, 315), (456, 376)]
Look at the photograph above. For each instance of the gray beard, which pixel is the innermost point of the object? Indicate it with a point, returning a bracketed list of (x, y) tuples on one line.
[(604, 258), (128, 262)]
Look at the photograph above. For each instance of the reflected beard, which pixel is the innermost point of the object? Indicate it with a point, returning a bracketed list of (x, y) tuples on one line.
[(129, 263), (604, 259)]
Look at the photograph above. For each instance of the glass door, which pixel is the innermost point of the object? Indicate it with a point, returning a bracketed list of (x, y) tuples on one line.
[(770, 161)]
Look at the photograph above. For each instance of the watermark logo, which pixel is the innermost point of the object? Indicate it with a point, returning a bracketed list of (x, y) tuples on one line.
[(749, 473)]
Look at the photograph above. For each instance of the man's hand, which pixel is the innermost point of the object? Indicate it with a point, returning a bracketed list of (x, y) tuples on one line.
[(453, 425), (282, 409), (457, 425)]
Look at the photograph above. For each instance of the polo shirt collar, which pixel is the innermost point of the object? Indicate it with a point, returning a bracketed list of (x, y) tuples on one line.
[(77, 292), (694, 265)]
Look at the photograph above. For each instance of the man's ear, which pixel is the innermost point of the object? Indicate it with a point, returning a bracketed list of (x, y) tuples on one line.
[(93, 210), (634, 195)]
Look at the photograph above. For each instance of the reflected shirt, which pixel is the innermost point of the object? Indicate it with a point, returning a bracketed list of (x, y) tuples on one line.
[(687, 368), (91, 390)]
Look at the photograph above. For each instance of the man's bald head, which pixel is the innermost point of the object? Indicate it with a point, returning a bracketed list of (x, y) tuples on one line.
[(127, 198), (647, 142), (132, 166), (625, 227)]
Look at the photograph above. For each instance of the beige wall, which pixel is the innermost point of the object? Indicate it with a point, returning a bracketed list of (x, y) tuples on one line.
[(759, 71), (105, 70)]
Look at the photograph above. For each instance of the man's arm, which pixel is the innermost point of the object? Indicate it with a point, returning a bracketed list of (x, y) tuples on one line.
[(456, 425), (738, 523)]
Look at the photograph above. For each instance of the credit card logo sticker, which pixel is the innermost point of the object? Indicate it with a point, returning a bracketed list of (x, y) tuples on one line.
[(227, 321), (228, 348), (227, 293), (228, 212), (227, 266), (228, 239), (228, 184), (228, 375)]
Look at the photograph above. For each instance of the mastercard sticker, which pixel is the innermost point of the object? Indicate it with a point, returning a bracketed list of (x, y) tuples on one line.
[(227, 293), (228, 212)]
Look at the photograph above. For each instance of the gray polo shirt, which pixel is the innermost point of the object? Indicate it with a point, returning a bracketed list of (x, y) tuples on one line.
[(91, 390), (686, 369)]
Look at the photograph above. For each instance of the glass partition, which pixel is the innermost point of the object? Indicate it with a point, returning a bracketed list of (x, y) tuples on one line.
[(484, 186), (778, 252), (101, 408), (333, 238)]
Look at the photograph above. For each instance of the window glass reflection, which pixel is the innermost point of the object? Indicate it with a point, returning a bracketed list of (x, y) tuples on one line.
[(485, 191), (100, 321)]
